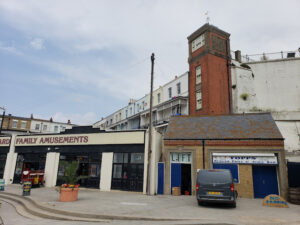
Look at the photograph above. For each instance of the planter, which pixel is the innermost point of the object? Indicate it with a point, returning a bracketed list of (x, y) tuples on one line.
[(68, 194)]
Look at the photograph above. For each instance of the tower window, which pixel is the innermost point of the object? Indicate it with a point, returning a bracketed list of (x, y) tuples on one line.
[(198, 74), (198, 100), (158, 98), (198, 42)]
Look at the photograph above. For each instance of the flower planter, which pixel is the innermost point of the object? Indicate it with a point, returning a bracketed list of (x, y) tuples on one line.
[(68, 194)]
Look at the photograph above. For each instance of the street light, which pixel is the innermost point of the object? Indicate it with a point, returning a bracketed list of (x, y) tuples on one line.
[(2, 108)]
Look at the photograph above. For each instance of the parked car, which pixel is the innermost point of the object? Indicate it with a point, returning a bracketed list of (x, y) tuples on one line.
[(215, 186)]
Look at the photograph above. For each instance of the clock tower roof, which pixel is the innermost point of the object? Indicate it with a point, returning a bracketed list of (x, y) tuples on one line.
[(207, 27)]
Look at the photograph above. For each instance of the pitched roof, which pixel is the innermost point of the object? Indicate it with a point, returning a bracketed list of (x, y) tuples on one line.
[(238, 126)]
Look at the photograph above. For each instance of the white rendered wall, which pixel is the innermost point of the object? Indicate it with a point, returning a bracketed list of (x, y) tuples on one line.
[(51, 168), (274, 87), (155, 156), (290, 130), (242, 83), (106, 171), (277, 84), (11, 161)]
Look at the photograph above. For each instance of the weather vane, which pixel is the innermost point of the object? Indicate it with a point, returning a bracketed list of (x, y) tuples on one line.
[(207, 17)]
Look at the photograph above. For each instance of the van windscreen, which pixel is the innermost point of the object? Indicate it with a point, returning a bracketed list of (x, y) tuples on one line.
[(207, 177)]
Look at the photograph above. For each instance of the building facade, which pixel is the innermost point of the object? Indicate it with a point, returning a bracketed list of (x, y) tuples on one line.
[(271, 85), (169, 100), (17, 125), (250, 145)]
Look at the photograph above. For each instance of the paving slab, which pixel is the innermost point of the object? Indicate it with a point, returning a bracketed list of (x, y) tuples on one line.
[(94, 201)]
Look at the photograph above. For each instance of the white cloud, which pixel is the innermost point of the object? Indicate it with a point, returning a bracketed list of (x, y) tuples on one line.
[(76, 118), (37, 43), (10, 49)]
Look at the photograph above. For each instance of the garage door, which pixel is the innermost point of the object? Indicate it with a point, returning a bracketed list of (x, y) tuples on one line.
[(264, 181)]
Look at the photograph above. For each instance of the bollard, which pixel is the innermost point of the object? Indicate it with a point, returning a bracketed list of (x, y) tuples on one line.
[(26, 188)]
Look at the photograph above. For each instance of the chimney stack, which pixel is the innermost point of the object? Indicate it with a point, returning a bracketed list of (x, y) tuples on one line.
[(238, 56), (69, 121)]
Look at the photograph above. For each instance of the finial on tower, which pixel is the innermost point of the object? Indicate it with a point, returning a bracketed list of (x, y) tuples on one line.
[(207, 17)]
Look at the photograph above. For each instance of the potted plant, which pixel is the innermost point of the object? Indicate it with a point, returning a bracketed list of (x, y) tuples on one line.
[(69, 190)]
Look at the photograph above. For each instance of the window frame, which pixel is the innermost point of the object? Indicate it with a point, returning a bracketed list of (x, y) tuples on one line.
[(170, 92), (178, 86), (14, 122)]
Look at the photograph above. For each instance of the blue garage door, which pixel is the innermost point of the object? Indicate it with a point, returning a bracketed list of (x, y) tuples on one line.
[(175, 175), (160, 181), (264, 181)]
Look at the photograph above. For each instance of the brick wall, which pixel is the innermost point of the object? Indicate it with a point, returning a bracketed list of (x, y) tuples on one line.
[(245, 187), (216, 90)]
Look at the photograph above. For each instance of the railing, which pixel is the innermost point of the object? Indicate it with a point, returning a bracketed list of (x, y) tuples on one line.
[(267, 56)]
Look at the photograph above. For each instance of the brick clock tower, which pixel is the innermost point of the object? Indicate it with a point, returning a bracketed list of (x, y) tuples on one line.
[(210, 75)]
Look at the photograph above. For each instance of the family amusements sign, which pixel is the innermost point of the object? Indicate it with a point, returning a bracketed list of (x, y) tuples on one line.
[(83, 139)]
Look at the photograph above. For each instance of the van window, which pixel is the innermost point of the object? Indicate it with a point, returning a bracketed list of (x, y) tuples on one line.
[(214, 176)]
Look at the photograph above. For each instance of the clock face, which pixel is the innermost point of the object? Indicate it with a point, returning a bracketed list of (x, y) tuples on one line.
[(198, 42)]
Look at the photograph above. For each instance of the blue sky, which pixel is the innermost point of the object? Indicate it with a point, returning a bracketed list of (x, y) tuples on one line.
[(82, 60)]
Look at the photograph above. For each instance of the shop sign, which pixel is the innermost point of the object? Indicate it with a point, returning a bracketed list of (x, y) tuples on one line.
[(52, 140), (275, 201), (270, 160), (4, 141), (85, 139), (180, 157)]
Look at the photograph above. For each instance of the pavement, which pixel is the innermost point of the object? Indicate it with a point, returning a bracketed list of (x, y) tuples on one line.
[(118, 207)]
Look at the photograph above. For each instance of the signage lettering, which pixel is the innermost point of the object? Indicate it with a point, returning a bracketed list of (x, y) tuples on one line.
[(52, 140), (181, 157), (5, 141), (246, 159)]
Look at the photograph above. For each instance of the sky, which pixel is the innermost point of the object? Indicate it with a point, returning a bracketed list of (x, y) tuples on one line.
[(83, 60)]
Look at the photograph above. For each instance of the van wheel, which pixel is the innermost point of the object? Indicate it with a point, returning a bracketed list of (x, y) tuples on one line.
[(200, 203)]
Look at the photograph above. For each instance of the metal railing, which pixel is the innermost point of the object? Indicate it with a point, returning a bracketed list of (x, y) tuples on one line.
[(267, 56)]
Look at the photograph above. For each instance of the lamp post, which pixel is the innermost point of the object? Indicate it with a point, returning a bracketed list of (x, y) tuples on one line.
[(3, 114)]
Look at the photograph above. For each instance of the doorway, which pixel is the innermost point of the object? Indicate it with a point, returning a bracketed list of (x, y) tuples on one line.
[(181, 177), (264, 181), (186, 179)]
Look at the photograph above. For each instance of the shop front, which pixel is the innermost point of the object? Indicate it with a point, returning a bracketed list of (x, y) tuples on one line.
[(264, 167), (124, 170), (4, 149)]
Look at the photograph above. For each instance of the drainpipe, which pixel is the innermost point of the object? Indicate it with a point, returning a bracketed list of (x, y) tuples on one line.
[(228, 75), (203, 153)]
